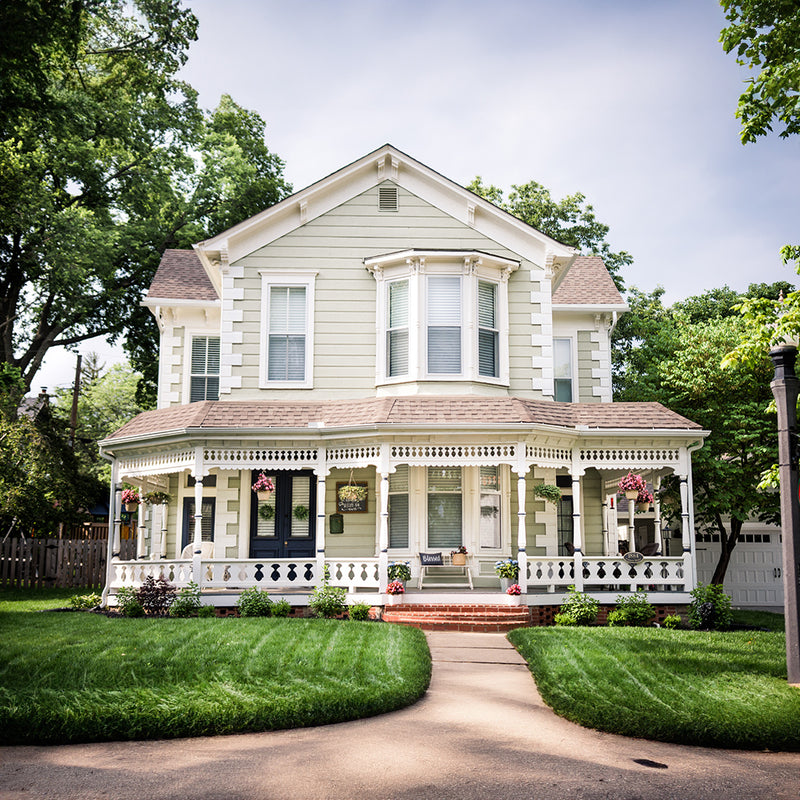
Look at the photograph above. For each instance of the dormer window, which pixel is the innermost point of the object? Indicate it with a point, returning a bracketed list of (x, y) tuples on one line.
[(444, 316)]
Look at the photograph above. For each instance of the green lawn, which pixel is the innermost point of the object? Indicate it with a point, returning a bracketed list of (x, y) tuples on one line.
[(78, 677), (692, 687)]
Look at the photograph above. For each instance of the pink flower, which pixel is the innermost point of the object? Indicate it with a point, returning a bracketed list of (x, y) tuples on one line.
[(395, 587), (130, 496), (632, 482), (263, 484), (514, 589)]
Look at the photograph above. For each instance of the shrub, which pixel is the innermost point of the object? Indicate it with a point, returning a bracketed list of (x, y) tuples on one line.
[(359, 611), (129, 603), (672, 621), (83, 602), (187, 603), (206, 611), (328, 601), (156, 595), (577, 609), (254, 603), (632, 610), (281, 608), (399, 571), (710, 609)]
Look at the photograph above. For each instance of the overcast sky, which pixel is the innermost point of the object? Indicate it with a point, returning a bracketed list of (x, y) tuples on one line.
[(630, 102)]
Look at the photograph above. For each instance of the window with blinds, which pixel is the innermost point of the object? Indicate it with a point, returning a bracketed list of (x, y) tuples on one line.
[(397, 332), (204, 375), (444, 508), (398, 507), (286, 359), (444, 324), (488, 333), (562, 370)]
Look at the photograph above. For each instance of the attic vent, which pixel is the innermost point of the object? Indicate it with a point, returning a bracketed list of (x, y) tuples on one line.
[(387, 198)]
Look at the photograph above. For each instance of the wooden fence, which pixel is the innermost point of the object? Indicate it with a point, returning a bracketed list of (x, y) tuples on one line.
[(42, 563)]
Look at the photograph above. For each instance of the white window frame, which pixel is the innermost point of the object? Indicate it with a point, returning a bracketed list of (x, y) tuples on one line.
[(573, 358), (269, 280), (190, 334), (416, 267)]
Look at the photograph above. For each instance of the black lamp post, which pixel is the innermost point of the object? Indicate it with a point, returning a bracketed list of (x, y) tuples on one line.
[(785, 387)]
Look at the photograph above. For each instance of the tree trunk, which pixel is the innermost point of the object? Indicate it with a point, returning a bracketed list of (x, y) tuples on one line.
[(727, 541)]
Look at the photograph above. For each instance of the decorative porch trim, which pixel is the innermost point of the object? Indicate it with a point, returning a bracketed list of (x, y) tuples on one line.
[(156, 463), (255, 458), (465, 455), (630, 458)]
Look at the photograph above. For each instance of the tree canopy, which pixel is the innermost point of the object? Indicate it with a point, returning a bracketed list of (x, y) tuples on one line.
[(105, 161), (571, 220), (674, 355)]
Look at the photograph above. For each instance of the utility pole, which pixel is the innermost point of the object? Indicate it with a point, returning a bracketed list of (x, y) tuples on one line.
[(76, 390)]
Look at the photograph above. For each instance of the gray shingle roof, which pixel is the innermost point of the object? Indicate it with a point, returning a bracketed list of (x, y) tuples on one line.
[(587, 283), (180, 276), (263, 415)]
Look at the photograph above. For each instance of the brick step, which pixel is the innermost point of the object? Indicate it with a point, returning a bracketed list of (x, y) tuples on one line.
[(487, 619)]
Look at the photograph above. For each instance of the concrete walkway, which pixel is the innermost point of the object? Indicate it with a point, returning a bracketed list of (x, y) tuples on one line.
[(480, 732)]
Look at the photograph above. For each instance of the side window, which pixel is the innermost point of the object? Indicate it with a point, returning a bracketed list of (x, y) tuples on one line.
[(398, 507), (204, 375), (397, 332), (562, 370), (488, 333)]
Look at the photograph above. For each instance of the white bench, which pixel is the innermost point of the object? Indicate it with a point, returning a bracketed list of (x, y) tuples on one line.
[(444, 566)]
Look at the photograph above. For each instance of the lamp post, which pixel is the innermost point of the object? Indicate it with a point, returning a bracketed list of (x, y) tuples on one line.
[(785, 387)]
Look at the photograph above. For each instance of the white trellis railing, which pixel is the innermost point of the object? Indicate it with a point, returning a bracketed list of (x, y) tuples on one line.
[(609, 573)]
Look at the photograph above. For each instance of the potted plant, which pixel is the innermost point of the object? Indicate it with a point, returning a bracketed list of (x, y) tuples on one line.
[(263, 487), (130, 499), (508, 572), (459, 556), (513, 594), (631, 485), (548, 492), (156, 498), (399, 571), (395, 590)]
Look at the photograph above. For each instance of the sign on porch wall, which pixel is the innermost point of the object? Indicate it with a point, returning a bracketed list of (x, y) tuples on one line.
[(351, 506)]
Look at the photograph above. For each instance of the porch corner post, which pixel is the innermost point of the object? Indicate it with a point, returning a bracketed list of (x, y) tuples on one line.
[(688, 569), (112, 548), (322, 472), (383, 534), (522, 530), (197, 541), (162, 545), (577, 521), (140, 529)]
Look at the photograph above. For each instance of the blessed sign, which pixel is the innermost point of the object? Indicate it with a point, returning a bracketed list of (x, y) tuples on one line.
[(633, 558)]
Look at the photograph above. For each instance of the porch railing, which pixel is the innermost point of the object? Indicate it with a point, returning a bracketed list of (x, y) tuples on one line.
[(597, 573)]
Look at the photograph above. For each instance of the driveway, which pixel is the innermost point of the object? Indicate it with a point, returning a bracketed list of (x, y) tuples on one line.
[(481, 731)]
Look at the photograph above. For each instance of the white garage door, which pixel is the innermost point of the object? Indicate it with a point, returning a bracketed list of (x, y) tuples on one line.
[(754, 576)]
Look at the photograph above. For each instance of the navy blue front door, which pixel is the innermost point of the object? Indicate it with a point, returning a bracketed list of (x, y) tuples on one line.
[(284, 526)]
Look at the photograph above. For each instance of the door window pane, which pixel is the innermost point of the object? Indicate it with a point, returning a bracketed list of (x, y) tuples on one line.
[(490, 507), (444, 508)]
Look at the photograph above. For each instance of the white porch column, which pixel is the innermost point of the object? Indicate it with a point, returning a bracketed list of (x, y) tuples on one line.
[(690, 569), (522, 532), (657, 515), (162, 545), (604, 513), (321, 472), (112, 548), (140, 528), (577, 527), (383, 534), (199, 473)]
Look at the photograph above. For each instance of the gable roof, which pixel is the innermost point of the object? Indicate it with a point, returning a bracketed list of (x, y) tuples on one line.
[(589, 283), (387, 163), (210, 416), (180, 276)]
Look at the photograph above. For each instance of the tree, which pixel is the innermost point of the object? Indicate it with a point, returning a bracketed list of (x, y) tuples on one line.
[(674, 355), (105, 161), (765, 34), (571, 221)]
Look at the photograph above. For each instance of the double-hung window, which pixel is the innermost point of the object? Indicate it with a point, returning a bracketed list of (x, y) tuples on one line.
[(562, 370), (444, 324), (488, 332), (204, 369), (398, 507), (397, 330), (286, 331)]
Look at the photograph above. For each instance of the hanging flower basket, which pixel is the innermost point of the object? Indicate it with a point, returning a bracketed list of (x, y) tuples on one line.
[(631, 485), (156, 498), (643, 500), (352, 492), (548, 492), (130, 499), (263, 487)]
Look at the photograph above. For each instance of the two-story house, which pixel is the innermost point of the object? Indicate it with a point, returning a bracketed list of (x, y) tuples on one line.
[(386, 328)]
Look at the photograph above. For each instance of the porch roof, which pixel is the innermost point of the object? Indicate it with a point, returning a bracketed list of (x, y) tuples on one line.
[(402, 412)]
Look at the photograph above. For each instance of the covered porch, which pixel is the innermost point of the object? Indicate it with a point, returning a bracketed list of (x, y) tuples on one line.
[(213, 529)]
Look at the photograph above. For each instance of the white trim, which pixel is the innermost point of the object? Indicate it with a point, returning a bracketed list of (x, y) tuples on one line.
[(297, 278)]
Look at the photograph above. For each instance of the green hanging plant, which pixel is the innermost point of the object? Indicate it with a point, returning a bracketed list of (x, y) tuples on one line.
[(548, 492)]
